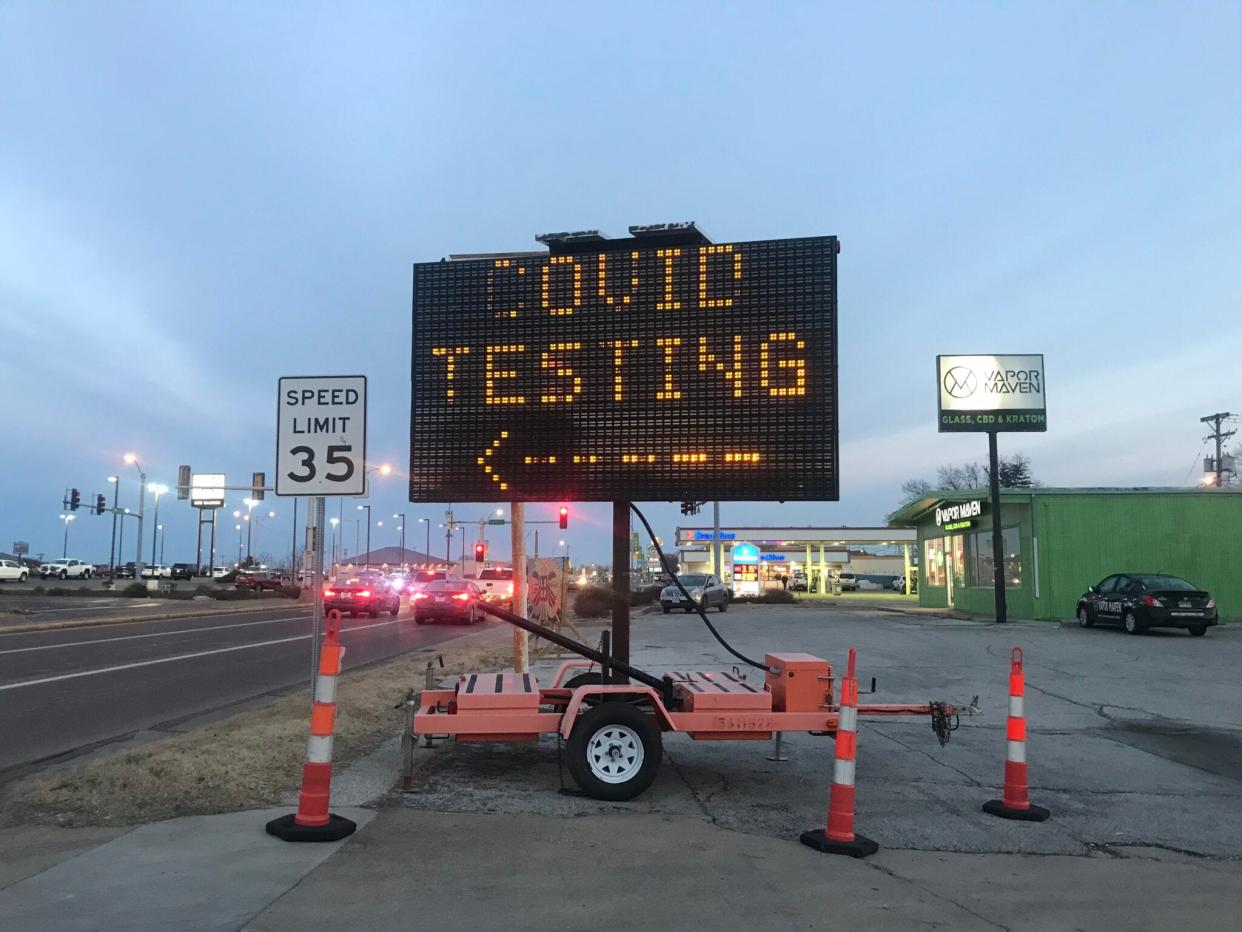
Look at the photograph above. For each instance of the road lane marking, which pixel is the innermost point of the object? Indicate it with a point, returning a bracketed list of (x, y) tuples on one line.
[(202, 653), (158, 634)]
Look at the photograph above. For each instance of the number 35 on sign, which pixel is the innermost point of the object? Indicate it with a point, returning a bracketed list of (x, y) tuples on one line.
[(321, 435)]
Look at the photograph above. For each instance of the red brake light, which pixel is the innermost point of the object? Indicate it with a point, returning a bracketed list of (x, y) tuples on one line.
[(418, 595), (461, 596), (328, 593), (1152, 602), (364, 594)]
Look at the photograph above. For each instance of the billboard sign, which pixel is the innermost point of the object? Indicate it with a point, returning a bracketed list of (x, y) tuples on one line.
[(626, 370), (991, 393), (20, 548), (207, 490), (321, 435)]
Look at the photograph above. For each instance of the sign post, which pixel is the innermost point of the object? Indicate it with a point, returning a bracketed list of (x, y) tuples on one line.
[(992, 394), (321, 450)]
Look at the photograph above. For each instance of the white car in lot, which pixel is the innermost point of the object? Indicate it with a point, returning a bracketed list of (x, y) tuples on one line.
[(12, 571), (66, 569), (156, 571)]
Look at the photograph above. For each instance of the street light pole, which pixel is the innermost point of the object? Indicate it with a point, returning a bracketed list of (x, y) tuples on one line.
[(402, 517), (65, 550), (368, 511), (157, 490), (132, 459), (249, 503), (239, 545), (427, 546)]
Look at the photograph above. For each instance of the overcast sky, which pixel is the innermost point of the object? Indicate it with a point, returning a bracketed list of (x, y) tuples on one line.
[(198, 198)]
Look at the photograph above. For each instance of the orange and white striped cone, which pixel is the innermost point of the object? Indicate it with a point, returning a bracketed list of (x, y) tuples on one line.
[(1014, 802), (839, 837), (313, 821)]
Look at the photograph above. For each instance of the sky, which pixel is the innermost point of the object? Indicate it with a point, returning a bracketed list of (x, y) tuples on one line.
[(196, 199)]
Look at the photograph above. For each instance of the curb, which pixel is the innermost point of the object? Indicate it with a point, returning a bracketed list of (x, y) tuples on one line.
[(130, 620)]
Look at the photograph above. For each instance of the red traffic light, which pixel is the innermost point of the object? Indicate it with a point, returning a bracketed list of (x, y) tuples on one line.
[(101, 504), (480, 552), (564, 517)]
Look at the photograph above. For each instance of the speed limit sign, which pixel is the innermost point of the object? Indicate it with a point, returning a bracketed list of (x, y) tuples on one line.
[(321, 435)]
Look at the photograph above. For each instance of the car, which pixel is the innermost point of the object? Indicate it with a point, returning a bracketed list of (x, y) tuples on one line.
[(1138, 601), (219, 572), (257, 581), (496, 584), (181, 571), (125, 570), (417, 581), (12, 571), (362, 594), (66, 569), (848, 582), (798, 581), (899, 583), (704, 588), (454, 600), (156, 571)]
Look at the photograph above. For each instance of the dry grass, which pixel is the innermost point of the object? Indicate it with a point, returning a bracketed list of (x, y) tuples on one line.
[(248, 760)]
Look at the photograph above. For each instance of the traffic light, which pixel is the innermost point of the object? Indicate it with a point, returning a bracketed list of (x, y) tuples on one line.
[(480, 552), (690, 508), (183, 482), (75, 499), (101, 504), (257, 481), (564, 522)]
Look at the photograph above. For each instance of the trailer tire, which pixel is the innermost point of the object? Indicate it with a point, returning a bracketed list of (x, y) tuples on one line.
[(583, 679), (614, 751)]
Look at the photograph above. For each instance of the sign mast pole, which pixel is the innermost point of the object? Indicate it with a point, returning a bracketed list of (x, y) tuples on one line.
[(620, 584), (314, 547), (998, 541)]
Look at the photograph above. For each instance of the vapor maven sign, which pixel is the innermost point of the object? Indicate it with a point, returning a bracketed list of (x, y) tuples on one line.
[(991, 392), (627, 370)]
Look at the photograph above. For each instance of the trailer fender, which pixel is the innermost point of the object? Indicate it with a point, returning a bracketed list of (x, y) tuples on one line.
[(580, 695)]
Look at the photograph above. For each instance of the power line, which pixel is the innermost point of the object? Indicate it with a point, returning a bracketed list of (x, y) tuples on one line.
[(1216, 421)]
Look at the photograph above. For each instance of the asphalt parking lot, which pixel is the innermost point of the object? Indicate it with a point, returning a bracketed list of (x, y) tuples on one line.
[(1133, 741)]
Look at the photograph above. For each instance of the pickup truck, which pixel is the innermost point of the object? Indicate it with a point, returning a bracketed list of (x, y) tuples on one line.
[(257, 582), (496, 584)]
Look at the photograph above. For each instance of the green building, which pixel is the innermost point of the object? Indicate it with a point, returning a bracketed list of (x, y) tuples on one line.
[(1059, 541)]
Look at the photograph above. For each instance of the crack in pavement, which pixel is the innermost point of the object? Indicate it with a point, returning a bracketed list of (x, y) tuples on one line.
[(889, 872), (872, 728)]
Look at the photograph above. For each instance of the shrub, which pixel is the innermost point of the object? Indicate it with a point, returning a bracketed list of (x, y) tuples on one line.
[(645, 595), (770, 597), (291, 592), (204, 590), (135, 590), (38, 590), (60, 590), (181, 595), (593, 602)]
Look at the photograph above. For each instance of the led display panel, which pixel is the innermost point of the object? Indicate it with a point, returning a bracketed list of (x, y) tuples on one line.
[(627, 371)]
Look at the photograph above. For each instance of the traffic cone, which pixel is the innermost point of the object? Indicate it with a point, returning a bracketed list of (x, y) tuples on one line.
[(312, 821), (839, 837), (1014, 803)]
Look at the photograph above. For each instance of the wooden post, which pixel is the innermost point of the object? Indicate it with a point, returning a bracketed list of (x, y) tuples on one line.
[(521, 646)]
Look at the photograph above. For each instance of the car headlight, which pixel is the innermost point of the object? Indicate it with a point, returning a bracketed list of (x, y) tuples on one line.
[(696, 593)]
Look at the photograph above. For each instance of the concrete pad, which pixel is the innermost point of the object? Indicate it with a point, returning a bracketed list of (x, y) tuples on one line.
[(203, 872), (467, 872), (26, 850)]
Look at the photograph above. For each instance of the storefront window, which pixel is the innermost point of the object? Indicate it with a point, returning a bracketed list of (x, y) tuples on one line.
[(957, 548), (935, 561), (979, 558)]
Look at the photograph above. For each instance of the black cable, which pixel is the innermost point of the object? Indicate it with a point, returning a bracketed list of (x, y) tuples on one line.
[(699, 608)]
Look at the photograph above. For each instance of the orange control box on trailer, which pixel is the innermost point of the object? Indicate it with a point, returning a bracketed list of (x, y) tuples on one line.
[(798, 682)]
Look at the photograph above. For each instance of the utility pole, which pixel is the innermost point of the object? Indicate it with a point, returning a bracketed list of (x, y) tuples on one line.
[(517, 537), (1216, 422)]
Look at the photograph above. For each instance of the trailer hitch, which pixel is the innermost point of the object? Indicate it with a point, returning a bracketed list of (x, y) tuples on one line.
[(946, 719)]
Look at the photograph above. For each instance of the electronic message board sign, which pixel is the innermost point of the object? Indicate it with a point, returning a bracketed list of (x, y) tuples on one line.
[(627, 370)]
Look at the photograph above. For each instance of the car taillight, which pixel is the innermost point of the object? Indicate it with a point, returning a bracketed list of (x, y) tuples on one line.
[(328, 593), (364, 594), (462, 596), (509, 588), (418, 595), (1152, 602), (1211, 603)]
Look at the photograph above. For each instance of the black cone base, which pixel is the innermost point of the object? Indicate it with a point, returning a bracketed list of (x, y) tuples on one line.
[(1033, 814), (860, 847), (286, 829)]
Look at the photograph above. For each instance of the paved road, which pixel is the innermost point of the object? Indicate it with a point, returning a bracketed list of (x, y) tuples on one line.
[(72, 688)]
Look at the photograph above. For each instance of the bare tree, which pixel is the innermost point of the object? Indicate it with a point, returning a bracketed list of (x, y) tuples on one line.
[(1015, 473), (966, 476), (915, 488)]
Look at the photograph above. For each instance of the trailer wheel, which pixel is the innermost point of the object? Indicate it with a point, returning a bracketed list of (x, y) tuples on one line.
[(614, 751), (583, 679)]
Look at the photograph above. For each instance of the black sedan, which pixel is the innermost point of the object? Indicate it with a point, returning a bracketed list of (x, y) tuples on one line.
[(453, 600), (1138, 601), (364, 594)]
